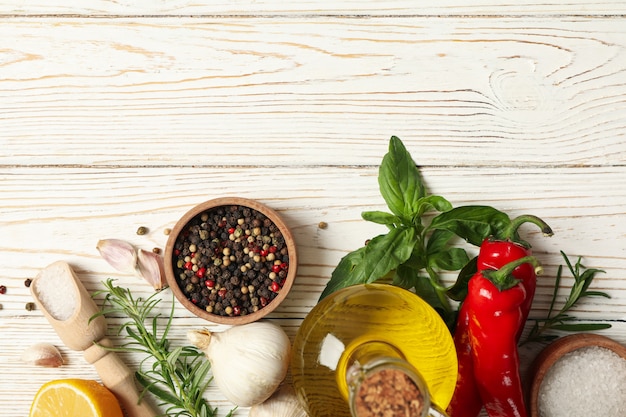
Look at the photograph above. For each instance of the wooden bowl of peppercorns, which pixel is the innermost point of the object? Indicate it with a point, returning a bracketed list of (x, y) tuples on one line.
[(230, 260)]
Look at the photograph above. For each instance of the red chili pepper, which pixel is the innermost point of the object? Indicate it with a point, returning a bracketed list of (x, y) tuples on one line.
[(466, 401), (494, 254), (495, 302)]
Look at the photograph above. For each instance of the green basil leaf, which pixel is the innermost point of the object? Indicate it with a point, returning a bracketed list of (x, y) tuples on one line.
[(400, 181), (581, 327), (425, 290), (472, 223), (451, 259), (381, 217), (433, 202), (422, 285), (417, 260), (438, 241), (385, 252), (349, 271), (405, 277), (458, 291)]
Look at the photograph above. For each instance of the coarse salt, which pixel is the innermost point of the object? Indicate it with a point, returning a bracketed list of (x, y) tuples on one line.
[(590, 381), (55, 290)]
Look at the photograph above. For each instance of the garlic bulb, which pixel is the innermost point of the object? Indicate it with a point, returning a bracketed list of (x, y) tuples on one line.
[(43, 354), (248, 361), (283, 403)]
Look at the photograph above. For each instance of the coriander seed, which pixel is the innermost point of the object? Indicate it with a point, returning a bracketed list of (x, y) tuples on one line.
[(142, 230), (30, 306)]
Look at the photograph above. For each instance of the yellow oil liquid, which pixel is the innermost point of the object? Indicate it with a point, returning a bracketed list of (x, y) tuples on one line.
[(347, 321)]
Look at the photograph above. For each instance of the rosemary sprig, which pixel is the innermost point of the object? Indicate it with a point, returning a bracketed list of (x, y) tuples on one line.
[(177, 377), (562, 320)]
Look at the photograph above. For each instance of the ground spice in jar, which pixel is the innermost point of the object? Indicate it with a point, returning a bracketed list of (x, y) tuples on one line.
[(388, 393), (230, 260)]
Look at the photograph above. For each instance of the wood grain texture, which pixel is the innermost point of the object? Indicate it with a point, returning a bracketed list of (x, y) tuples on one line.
[(56, 213), (585, 206), (463, 91), (314, 8)]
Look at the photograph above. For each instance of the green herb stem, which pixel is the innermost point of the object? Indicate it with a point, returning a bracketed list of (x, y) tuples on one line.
[(562, 320), (178, 377)]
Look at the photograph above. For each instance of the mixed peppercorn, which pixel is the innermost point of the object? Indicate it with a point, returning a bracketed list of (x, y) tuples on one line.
[(231, 260)]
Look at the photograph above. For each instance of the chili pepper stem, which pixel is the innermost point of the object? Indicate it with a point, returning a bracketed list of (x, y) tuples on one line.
[(503, 278), (527, 218)]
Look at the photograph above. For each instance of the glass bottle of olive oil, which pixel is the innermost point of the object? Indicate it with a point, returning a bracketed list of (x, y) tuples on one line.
[(369, 342)]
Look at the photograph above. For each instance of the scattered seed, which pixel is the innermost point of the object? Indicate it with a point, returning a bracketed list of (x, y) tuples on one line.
[(3, 289), (167, 231), (28, 282), (156, 250), (142, 230), (322, 225), (30, 306)]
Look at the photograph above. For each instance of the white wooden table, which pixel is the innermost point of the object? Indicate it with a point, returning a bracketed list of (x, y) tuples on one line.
[(115, 115)]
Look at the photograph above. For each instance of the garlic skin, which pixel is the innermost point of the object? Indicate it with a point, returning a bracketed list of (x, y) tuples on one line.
[(283, 403), (248, 362), (43, 354), (120, 254), (123, 256), (151, 268)]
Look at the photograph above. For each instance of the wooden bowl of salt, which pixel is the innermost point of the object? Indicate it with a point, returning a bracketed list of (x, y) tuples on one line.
[(582, 374)]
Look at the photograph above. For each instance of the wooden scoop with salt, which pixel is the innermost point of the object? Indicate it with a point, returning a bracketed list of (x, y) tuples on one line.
[(68, 307)]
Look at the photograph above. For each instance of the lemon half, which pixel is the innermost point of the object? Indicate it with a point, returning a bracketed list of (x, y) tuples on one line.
[(73, 398)]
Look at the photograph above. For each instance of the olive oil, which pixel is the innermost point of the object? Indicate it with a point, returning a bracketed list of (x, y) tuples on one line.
[(366, 323)]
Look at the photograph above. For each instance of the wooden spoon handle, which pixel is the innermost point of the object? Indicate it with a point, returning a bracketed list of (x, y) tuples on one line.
[(119, 379)]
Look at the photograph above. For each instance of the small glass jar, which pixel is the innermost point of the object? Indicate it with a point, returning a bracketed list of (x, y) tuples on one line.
[(379, 379)]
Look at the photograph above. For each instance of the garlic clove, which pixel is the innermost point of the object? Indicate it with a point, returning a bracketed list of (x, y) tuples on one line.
[(283, 403), (120, 254), (199, 338), (151, 268), (43, 354)]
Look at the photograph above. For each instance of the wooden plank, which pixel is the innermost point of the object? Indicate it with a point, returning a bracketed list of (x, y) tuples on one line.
[(53, 213), (343, 7), (50, 214), (246, 91)]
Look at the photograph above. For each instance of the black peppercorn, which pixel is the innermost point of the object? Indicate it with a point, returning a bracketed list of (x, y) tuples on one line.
[(226, 250)]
